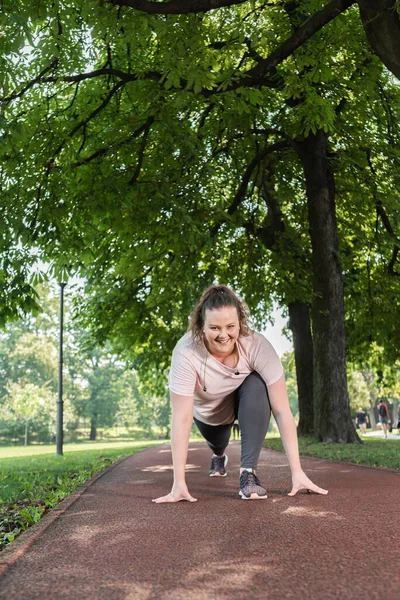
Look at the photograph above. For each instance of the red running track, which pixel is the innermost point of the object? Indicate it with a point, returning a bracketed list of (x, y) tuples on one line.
[(111, 542)]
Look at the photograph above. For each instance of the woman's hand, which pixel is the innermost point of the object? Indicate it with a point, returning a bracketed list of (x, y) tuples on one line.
[(179, 492), (300, 481)]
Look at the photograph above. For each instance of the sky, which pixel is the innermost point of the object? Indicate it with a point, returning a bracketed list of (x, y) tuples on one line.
[(274, 334)]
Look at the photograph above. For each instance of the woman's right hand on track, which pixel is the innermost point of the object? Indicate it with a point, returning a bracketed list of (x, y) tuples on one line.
[(179, 492)]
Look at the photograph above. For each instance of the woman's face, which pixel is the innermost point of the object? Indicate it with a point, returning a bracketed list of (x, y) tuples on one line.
[(221, 330)]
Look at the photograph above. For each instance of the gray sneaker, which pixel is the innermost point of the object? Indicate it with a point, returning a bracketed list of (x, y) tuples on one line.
[(218, 464), (250, 487)]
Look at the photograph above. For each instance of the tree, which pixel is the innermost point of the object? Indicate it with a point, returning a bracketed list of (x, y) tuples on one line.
[(97, 385), (358, 391), (30, 406), (380, 19), (225, 97), (289, 366)]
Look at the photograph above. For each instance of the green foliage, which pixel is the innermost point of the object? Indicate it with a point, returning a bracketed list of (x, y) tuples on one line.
[(358, 391), (134, 176), (29, 406), (98, 387), (289, 367)]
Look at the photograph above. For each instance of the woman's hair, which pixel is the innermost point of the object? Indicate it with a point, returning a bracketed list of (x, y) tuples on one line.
[(213, 298)]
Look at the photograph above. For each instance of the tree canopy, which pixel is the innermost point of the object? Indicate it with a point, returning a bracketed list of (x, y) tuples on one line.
[(153, 147)]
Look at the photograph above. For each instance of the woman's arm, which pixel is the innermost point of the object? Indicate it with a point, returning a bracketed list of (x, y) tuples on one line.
[(283, 415), (182, 419)]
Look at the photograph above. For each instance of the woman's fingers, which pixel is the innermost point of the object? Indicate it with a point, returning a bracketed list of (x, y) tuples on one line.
[(169, 498), (302, 482), (190, 499), (310, 488), (317, 490)]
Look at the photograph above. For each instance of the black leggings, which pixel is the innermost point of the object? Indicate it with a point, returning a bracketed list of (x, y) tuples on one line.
[(253, 410)]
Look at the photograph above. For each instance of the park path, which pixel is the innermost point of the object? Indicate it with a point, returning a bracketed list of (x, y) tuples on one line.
[(113, 543)]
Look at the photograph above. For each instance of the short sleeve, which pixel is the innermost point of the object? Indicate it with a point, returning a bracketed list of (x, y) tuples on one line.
[(266, 361), (182, 375)]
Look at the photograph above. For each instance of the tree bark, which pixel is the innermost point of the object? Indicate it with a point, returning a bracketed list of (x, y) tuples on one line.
[(332, 417), (93, 427), (381, 22), (299, 323), (273, 228)]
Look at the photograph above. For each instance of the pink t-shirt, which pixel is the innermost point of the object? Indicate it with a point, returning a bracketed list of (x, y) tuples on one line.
[(194, 368)]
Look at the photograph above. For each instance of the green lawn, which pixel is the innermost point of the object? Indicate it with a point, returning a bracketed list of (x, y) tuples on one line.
[(34, 479), (35, 450), (374, 452)]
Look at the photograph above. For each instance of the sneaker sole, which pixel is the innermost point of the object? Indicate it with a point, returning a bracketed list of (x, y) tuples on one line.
[(254, 496), (219, 474)]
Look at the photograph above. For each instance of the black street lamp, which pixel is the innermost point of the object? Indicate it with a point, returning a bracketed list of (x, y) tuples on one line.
[(60, 404)]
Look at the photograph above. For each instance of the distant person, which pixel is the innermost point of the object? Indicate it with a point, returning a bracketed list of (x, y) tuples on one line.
[(398, 421), (383, 415), (362, 420), (221, 371), (235, 429)]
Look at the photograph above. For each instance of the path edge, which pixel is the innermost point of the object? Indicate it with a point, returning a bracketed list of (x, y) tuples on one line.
[(337, 462), (27, 538)]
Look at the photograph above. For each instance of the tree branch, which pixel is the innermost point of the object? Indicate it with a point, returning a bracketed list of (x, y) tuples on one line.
[(142, 148), (176, 7), (241, 136), (380, 210), (84, 122), (264, 73), (27, 86), (241, 191), (391, 270), (99, 72), (381, 21), (265, 68), (103, 151)]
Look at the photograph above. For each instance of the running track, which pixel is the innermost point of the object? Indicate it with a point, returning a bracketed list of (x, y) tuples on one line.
[(109, 541)]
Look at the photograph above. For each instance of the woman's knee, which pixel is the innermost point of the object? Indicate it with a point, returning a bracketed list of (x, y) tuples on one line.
[(253, 385)]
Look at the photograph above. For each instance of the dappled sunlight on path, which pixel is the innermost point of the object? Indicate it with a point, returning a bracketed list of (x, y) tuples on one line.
[(113, 543)]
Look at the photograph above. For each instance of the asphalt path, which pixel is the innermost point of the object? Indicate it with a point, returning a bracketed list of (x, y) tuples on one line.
[(111, 542)]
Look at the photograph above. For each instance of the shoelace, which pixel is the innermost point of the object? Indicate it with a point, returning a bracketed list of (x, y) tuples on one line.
[(248, 478), (217, 461)]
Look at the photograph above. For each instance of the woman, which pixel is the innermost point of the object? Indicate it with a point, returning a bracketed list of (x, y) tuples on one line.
[(220, 371)]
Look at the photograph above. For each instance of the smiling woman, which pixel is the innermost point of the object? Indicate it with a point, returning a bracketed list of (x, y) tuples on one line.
[(221, 371)]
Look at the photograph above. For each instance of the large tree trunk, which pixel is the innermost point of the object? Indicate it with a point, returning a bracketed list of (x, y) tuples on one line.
[(332, 418), (299, 323), (274, 227), (381, 22)]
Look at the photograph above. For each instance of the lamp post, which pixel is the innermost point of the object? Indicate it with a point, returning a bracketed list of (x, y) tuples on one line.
[(60, 405)]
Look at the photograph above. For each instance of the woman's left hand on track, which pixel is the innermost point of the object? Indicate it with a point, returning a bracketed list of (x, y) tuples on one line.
[(300, 481)]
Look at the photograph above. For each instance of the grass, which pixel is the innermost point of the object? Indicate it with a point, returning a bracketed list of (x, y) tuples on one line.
[(373, 452), (35, 450), (33, 479)]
